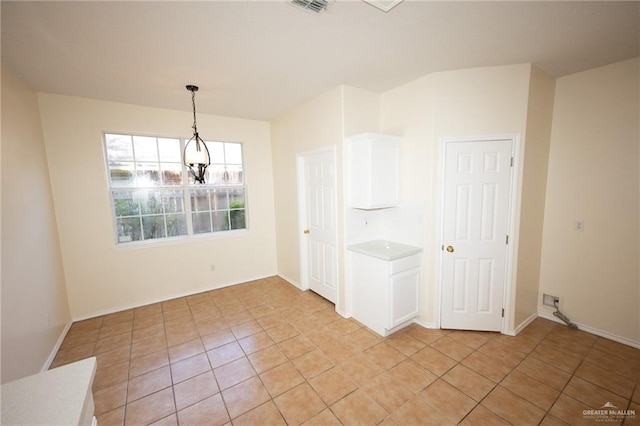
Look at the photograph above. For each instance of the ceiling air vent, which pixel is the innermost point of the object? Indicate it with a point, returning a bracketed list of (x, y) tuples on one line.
[(384, 5), (314, 6)]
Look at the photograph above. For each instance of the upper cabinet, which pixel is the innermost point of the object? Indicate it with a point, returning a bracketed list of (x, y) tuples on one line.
[(373, 162)]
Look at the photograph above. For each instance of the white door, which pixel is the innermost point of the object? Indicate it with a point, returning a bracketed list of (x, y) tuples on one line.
[(319, 221), (477, 188)]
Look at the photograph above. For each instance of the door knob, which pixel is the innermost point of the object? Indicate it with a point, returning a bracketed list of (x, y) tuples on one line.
[(306, 231), (450, 249)]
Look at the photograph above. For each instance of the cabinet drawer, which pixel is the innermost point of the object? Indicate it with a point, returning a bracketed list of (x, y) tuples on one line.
[(405, 263)]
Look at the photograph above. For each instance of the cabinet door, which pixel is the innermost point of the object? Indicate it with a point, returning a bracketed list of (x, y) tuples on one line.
[(404, 297), (384, 179), (370, 291), (373, 171)]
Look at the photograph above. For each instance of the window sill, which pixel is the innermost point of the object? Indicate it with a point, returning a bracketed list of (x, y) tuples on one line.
[(141, 245)]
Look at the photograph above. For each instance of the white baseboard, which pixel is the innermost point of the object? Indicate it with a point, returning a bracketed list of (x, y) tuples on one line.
[(291, 281), (522, 325), (343, 314), (67, 327), (426, 324), (54, 351), (165, 298), (592, 330)]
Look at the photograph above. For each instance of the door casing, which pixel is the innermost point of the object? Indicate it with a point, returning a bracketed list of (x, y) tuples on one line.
[(513, 218)]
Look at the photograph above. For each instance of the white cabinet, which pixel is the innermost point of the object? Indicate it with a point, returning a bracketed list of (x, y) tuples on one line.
[(385, 292), (374, 171)]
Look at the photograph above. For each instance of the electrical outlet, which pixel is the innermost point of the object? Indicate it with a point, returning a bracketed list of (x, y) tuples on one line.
[(579, 225), (549, 300), (213, 267)]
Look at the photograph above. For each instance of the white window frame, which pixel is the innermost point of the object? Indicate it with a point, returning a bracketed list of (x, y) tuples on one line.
[(186, 187)]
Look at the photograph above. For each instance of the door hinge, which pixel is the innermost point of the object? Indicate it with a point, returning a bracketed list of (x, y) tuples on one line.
[(502, 312), (511, 162), (506, 240)]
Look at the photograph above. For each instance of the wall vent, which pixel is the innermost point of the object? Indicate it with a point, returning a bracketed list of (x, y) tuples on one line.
[(313, 6)]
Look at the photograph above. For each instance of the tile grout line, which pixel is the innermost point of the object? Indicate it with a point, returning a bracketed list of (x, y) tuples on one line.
[(243, 297), (573, 374)]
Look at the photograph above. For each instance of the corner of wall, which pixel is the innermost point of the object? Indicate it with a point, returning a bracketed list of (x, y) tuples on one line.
[(31, 323), (537, 140), (594, 147)]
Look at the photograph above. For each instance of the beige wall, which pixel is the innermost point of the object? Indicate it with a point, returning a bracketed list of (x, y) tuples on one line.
[(34, 298), (534, 181), (101, 277), (407, 111), (593, 176), (472, 102), (315, 124), (362, 110)]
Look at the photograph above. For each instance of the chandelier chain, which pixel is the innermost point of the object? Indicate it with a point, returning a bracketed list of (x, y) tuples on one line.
[(193, 103)]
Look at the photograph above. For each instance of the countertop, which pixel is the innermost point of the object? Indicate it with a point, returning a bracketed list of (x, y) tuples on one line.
[(61, 396), (385, 250)]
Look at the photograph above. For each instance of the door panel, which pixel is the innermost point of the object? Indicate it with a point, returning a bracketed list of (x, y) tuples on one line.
[(321, 219), (477, 179)]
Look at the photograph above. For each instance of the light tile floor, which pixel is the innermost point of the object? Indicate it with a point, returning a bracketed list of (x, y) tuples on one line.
[(265, 353)]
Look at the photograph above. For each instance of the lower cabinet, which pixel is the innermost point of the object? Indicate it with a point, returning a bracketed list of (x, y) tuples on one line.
[(60, 396), (385, 292)]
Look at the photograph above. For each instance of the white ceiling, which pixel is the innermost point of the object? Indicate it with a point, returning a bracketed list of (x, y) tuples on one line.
[(256, 59)]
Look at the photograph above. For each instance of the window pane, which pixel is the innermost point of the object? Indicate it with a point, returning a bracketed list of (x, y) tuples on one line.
[(145, 148), (125, 203), (220, 221), (199, 200), (128, 229), (236, 198), (119, 147), (216, 175), (216, 152), (201, 222), (173, 201), (236, 217), (235, 175), (176, 225), (169, 150), (233, 153), (147, 180), (148, 174), (219, 199), (237, 208), (150, 202), (121, 174), (171, 173), (153, 227)]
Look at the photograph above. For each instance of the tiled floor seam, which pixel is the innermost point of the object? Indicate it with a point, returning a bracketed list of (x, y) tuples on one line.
[(477, 403), (560, 393), (502, 380), (486, 395), (624, 422), (554, 337), (573, 374)]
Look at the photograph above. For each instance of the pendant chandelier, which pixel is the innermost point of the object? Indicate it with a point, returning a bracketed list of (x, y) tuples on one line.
[(196, 154)]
